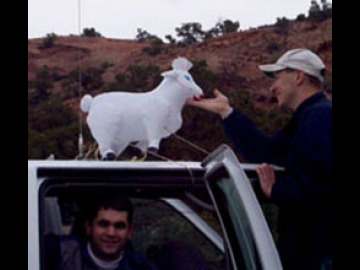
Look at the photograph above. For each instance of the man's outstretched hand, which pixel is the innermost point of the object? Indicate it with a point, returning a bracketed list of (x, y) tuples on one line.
[(219, 104)]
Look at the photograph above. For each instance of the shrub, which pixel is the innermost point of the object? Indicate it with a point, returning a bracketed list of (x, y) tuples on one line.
[(43, 81), (301, 18), (282, 26), (90, 32), (155, 48), (52, 128), (272, 47), (48, 42), (317, 14), (91, 79), (227, 26), (140, 78), (190, 33)]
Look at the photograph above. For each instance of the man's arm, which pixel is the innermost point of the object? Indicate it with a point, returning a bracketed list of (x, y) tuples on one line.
[(253, 143), (248, 140)]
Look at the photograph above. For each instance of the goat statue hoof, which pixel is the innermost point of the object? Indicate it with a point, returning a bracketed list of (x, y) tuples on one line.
[(153, 150), (109, 156)]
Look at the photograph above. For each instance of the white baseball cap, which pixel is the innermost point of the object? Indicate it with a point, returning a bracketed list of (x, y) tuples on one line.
[(299, 59)]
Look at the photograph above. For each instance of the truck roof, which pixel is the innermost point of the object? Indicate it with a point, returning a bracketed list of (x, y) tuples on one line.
[(115, 164), (194, 165)]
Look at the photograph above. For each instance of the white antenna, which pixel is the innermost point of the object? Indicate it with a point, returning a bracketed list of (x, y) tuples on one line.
[(80, 139)]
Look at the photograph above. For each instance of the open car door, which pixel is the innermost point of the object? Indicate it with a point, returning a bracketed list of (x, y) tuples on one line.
[(248, 239)]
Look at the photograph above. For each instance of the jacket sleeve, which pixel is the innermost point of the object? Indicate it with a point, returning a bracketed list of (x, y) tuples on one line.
[(252, 143), (308, 180)]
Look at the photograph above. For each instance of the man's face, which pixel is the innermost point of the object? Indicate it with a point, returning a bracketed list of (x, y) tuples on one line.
[(109, 233), (284, 89)]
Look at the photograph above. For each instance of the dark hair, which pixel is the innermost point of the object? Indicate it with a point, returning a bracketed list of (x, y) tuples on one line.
[(119, 203)]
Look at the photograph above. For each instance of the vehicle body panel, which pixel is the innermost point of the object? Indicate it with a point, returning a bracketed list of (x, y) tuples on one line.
[(150, 178)]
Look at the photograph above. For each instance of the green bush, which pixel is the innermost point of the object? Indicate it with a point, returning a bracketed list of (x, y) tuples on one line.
[(282, 26), (155, 48), (48, 42), (319, 14), (272, 47), (142, 78), (90, 32), (42, 83), (52, 128), (91, 79)]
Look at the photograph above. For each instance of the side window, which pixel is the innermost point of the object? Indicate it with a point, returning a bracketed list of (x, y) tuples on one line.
[(162, 234), (237, 221), (251, 245)]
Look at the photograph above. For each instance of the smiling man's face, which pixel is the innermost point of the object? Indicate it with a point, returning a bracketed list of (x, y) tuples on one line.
[(108, 233)]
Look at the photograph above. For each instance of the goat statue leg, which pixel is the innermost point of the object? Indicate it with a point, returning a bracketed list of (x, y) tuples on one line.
[(153, 146)]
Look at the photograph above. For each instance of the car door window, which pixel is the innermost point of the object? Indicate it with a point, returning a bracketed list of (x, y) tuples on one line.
[(236, 223), (245, 228), (161, 231)]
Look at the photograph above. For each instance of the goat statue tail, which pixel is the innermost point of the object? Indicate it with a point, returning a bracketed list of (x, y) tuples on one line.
[(85, 103)]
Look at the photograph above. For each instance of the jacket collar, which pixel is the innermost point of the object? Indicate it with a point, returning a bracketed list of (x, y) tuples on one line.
[(291, 126), (307, 103)]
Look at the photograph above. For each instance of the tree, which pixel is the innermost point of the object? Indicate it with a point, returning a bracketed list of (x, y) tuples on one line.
[(90, 32), (227, 26), (190, 33), (144, 35), (52, 128), (140, 78), (282, 26), (48, 42), (155, 48), (318, 14), (43, 82), (213, 32), (314, 7), (325, 5), (170, 39), (90, 77)]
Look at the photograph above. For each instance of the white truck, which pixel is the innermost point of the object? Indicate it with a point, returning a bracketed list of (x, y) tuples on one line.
[(210, 204)]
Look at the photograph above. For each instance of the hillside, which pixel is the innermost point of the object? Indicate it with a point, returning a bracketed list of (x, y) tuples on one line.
[(239, 52), (233, 58)]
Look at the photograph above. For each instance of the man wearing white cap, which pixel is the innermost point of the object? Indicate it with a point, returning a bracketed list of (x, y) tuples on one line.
[(303, 147)]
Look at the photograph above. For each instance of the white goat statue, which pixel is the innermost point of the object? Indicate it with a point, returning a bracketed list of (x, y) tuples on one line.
[(116, 119)]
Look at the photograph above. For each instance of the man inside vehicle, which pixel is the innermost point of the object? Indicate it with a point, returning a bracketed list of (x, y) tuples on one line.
[(108, 227)]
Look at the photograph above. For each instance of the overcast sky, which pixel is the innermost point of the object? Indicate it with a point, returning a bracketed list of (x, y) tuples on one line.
[(121, 18)]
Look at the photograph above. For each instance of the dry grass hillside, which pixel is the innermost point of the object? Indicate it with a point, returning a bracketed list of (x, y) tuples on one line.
[(238, 53)]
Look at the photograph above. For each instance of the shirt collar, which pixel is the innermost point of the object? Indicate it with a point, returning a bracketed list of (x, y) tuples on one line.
[(103, 264)]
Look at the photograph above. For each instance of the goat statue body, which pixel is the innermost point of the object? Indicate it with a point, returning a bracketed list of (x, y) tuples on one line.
[(116, 119)]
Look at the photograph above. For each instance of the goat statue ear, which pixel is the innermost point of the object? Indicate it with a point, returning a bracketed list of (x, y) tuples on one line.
[(172, 74), (181, 63)]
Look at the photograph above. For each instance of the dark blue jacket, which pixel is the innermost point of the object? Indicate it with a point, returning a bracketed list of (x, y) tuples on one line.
[(304, 148), (70, 253)]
